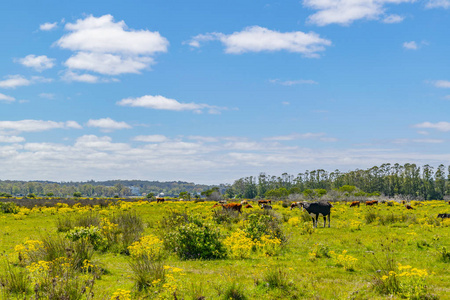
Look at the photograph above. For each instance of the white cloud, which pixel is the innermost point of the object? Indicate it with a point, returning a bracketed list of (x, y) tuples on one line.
[(156, 138), (47, 95), (297, 136), (391, 19), (48, 26), (108, 124), (72, 76), (293, 82), (345, 12), (13, 81), (6, 98), (108, 47), (445, 84), (11, 139), (163, 103), (36, 125), (102, 143), (440, 126), (258, 39), (438, 4), (109, 64), (39, 63), (410, 45)]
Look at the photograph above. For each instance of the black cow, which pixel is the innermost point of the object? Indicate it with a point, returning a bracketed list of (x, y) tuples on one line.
[(317, 209), (266, 206), (443, 216)]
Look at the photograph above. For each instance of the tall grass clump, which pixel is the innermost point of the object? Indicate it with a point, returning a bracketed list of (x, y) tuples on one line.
[(13, 280), (228, 216), (233, 291), (275, 278), (264, 223), (130, 227)]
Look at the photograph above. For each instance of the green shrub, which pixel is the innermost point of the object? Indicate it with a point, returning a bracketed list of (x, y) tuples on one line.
[(265, 223), (195, 240), (225, 216), (91, 234), (371, 217), (276, 278), (445, 254), (130, 227), (9, 207), (64, 224), (87, 220)]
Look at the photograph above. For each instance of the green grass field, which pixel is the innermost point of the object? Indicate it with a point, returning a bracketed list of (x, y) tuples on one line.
[(346, 261)]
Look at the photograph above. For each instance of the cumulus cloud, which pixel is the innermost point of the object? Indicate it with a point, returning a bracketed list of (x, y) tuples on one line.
[(72, 76), (438, 4), (13, 81), (47, 95), (391, 19), (103, 143), (163, 103), (156, 138), (345, 12), (410, 45), (293, 82), (39, 63), (36, 125), (6, 98), (48, 26), (107, 124), (104, 46), (445, 84), (11, 139), (302, 136), (440, 126), (259, 39)]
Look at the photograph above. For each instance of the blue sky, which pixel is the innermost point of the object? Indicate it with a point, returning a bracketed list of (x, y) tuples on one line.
[(211, 91)]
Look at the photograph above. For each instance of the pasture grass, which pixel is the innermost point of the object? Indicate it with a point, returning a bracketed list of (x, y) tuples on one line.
[(303, 269)]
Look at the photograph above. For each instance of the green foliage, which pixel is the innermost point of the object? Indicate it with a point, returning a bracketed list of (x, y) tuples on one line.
[(263, 223), (347, 189), (9, 207), (31, 195), (91, 234), (445, 255), (130, 227), (277, 193), (77, 194), (150, 195), (195, 240), (228, 216), (275, 277)]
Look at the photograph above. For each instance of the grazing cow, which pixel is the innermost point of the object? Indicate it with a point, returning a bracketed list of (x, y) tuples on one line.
[(355, 203), (295, 204), (266, 206), (222, 202), (403, 202), (264, 202), (317, 209), (232, 206), (248, 206), (159, 199), (370, 203), (443, 216), (448, 202), (244, 202), (409, 206)]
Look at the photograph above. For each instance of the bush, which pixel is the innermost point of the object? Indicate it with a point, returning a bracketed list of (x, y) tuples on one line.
[(264, 223), (130, 227), (9, 207), (276, 278), (91, 234), (195, 240), (225, 216), (234, 291)]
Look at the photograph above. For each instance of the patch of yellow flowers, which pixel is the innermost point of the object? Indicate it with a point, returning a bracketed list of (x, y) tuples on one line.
[(344, 260), (240, 246), (121, 295), (149, 245), (23, 250)]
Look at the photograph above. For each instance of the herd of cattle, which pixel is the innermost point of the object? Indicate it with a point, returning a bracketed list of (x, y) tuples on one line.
[(314, 209)]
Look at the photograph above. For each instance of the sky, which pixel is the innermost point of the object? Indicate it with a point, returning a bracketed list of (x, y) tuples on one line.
[(212, 91)]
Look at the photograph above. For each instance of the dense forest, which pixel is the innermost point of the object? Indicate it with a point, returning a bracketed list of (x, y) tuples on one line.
[(408, 180)]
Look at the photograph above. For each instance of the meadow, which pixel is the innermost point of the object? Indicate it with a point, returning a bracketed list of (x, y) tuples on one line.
[(190, 250)]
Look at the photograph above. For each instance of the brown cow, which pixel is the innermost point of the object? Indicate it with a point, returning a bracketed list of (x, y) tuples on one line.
[(159, 199), (295, 204), (355, 203), (244, 202), (248, 206), (264, 202), (232, 206), (409, 206), (370, 203)]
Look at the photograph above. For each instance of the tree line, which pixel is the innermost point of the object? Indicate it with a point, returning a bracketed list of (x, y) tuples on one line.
[(408, 180)]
